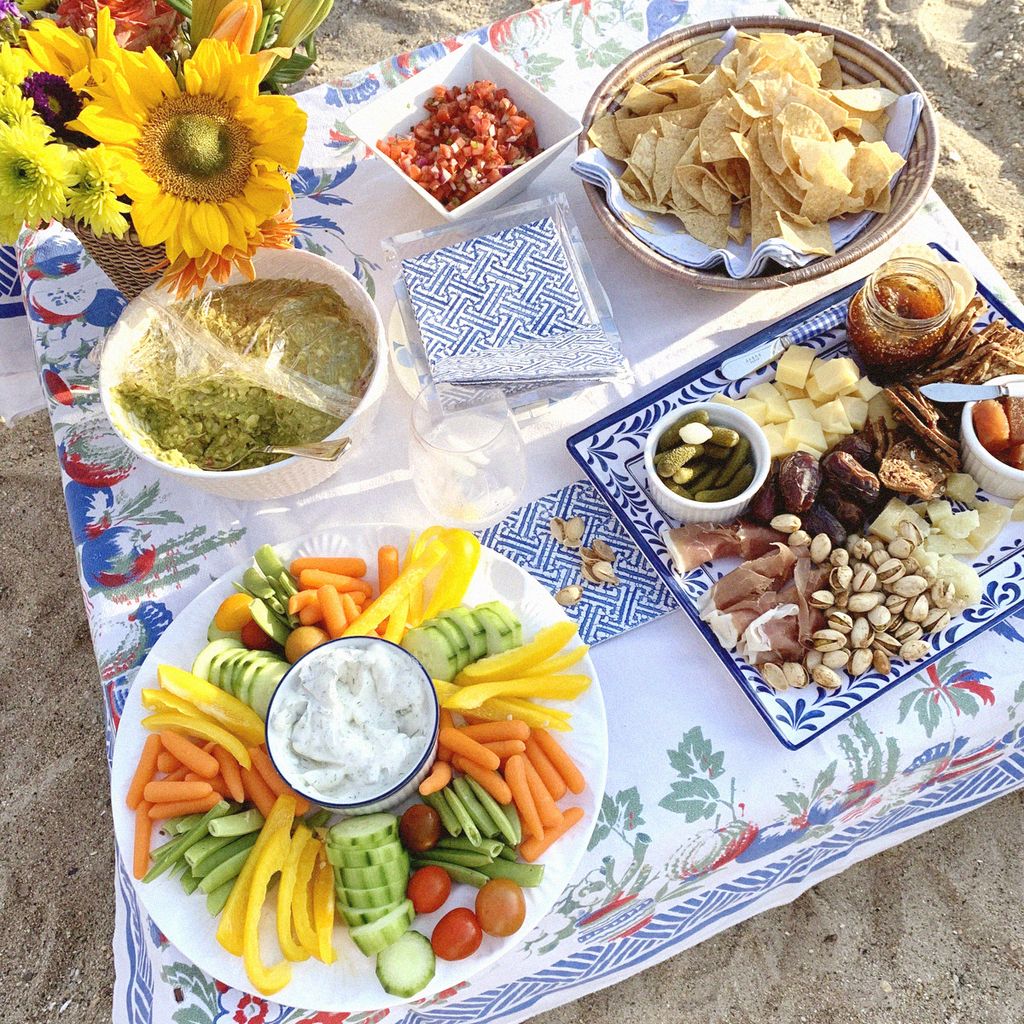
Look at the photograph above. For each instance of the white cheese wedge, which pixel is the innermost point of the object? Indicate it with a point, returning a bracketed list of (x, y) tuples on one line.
[(795, 365)]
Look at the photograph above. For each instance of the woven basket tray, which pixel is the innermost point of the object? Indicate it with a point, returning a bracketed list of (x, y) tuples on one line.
[(126, 261), (861, 62)]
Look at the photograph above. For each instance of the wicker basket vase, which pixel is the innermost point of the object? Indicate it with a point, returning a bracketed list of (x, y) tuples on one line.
[(131, 265), (861, 62)]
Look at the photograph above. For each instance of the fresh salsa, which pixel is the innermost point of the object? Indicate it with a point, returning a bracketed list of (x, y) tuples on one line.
[(471, 138)]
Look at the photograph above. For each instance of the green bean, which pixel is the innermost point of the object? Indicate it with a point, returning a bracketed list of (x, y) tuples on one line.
[(218, 857), (185, 842), (215, 900), (740, 456), (494, 810), (237, 824), (189, 883), (459, 810), (178, 826), (211, 844), (491, 847), (461, 857), (735, 486), (449, 822), (513, 819), (480, 817), (456, 872), (526, 875), (507, 853), (317, 819), (225, 872)]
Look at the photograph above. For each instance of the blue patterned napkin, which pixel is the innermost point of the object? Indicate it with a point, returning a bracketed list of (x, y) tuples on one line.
[(605, 611), (506, 308)]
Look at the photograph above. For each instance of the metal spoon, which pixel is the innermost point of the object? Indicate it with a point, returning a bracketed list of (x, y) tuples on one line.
[(322, 451)]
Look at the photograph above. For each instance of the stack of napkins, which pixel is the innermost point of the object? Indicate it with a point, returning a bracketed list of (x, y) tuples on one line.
[(505, 310)]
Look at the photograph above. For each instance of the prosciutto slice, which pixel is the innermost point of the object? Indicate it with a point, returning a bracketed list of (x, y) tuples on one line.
[(697, 543), (748, 581), (807, 578)]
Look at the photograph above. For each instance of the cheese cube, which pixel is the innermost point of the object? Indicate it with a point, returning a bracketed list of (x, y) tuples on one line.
[(810, 449), (961, 487), (806, 431), (835, 376), (776, 408), (993, 517), (866, 390), (832, 417), (788, 391), (801, 408), (856, 410), (794, 365), (961, 525), (777, 443), (753, 408), (939, 512), (815, 392), (940, 544), (887, 521)]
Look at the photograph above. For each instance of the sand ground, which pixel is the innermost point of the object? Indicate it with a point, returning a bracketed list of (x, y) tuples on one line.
[(930, 932)]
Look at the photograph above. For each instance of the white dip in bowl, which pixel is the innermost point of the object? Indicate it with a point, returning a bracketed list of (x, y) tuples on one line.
[(353, 724)]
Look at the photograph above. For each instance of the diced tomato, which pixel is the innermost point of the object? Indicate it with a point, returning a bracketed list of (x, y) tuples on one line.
[(471, 138)]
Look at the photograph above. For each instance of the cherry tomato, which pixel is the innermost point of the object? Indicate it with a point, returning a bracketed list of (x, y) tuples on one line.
[(428, 889), (255, 639), (420, 828), (500, 907), (457, 935)]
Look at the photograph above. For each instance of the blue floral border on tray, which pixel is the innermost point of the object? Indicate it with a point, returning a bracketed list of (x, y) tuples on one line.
[(610, 452)]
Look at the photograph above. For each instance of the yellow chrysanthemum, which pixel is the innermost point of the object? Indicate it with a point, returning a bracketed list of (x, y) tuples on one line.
[(93, 200), (204, 165), (15, 64), (35, 173), (62, 51), (15, 107)]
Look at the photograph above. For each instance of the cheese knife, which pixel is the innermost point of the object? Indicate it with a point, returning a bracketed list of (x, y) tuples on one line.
[(943, 392)]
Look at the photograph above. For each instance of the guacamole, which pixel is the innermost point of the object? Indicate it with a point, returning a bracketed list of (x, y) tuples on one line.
[(188, 410)]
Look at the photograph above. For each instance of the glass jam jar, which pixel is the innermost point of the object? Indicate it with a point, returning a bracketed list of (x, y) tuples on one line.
[(899, 318)]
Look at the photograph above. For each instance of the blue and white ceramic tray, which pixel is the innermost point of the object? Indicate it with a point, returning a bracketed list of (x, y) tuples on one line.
[(611, 453)]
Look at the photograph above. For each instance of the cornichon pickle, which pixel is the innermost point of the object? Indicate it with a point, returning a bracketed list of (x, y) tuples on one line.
[(684, 475), (739, 483), (670, 438), (668, 462), (725, 436), (717, 452), (706, 473), (740, 456)]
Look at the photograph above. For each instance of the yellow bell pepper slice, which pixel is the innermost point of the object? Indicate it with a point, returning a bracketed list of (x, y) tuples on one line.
[(411, 576), (202, 727), (463, 558), (269, 861), (562, 687), (558, 663), (512, 664), (160, 700), (286, 894), (396, 623), (235, 716), (231, 929), (302, 898), (417, 545), (444, 690), (537, 716), (323, 909)]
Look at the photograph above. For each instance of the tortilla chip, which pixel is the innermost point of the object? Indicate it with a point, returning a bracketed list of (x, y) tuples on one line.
[(641, 159), (604, 134), (865, 98), (831, 74), (641, 100), (667, 154), (734, 175), (683, 92), (705, 227), (715, 132), (699, 56), (814, 240)]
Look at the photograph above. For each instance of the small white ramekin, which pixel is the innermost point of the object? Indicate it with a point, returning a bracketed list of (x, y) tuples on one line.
[(683, 509), (401, 789), (279, 479), (992, 476)]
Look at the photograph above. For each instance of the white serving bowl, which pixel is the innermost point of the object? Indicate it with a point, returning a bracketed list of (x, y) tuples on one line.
[(399, 790), (279, 479), (685, 510), (993, 476), (397, 110)]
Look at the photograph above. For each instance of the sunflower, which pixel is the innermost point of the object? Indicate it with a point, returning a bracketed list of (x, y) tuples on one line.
[(202, 165), (62, 51)]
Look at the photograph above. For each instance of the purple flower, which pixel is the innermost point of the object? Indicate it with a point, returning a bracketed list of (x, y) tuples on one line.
[(55, 101), (10, 10)]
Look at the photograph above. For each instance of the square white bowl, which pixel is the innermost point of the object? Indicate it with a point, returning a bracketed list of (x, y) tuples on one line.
[(395, 113)]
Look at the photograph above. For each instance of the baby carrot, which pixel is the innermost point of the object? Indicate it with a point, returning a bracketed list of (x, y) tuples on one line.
[(163, 792), (494, 732), (166, 762), (439, 777), (303, 599), (311, 614), (550, 815), (191, 757), (515, 776), (387, 567), (344, 566), (230, 773), (553, 782), (317, 578), (491, 781), (270, 775), (334, 614), (531, 849), (143, 833), (447, 722), (178, 809), (145, 771), (506, 748), (459, 743), (257, 791), (560, 759), (178, 774), (350, 608)]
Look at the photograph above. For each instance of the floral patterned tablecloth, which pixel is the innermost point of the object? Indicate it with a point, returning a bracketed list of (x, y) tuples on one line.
[(707, 820)]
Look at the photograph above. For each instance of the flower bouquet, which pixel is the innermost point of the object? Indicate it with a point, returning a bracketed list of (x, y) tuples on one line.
[(152, 129)]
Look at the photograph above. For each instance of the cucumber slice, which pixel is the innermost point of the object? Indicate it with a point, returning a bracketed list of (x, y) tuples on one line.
[(222, 668), (362, 858), (456, 638), (354, 918), (471, 630), (368, 830), (434, 652), (239, 670), (214, 632), (500, 635), (378, 935), (505, 613), (391, 872), (407, 966), (368, 899), (269, 672), (201, 665), (265, 618)]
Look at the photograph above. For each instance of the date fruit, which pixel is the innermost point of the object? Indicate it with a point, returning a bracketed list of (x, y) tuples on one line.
[(849, 513), (765, 503), (817, 519), (860, 447), (799, 480), (850, 479)]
